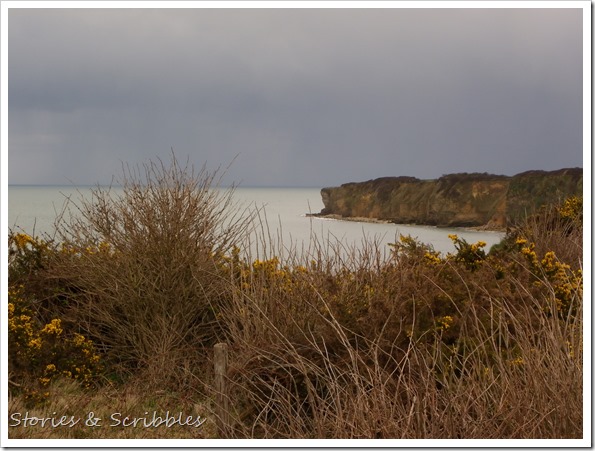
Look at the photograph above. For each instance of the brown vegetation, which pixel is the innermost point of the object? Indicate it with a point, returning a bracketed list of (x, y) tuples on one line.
[(324, 343)]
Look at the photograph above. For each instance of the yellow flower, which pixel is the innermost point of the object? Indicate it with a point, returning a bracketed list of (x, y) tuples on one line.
[(22, 239), (78, 339), (35, 343), (572, 208), (570, 349), (517, 361), (67, 249), (54, 327), (445, 322), (432, 258), (530, 254)]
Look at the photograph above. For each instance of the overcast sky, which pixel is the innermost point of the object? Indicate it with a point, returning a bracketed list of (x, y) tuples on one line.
[(303, 97)]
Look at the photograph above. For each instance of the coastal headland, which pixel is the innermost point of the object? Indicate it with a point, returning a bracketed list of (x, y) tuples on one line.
[(482, 200)]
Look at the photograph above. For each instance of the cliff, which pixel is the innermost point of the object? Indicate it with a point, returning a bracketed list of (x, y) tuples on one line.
[(454, 200)]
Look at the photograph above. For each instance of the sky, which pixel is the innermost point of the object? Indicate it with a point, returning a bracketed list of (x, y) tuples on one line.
[(293, 97)]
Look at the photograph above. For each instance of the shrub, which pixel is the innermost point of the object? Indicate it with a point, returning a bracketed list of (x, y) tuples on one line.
[(39, 352), (144, 266), (470, 255), (555, 228)]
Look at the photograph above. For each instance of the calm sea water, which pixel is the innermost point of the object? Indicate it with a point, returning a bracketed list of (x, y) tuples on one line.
[(34, 209)]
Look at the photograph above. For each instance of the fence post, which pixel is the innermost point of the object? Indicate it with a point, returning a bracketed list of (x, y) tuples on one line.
[(222, 392)]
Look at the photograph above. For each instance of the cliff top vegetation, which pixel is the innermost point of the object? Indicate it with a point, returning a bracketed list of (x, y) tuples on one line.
[(471, 176)]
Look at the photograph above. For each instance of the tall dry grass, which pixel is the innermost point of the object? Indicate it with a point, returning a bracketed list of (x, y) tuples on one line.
[(326, 341), (404, 348)]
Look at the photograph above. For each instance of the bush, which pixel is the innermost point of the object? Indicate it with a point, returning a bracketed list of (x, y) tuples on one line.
[(38, 353), (144, 267)]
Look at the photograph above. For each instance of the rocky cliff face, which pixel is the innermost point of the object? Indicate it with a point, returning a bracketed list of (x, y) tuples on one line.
[(454, 200)]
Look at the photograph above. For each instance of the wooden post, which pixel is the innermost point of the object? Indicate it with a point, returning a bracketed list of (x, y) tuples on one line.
[(221, 389)]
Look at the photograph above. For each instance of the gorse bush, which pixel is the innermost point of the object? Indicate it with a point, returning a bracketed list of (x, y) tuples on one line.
[(29, 258), (555, 228), (327, 342), (565, 284), (39, 352)]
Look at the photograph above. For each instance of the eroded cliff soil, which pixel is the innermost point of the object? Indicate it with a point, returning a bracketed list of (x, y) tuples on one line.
[(454, 200)]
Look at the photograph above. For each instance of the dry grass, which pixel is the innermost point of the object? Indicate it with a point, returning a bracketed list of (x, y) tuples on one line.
[(132, 401), (519, 376), (325, 342)]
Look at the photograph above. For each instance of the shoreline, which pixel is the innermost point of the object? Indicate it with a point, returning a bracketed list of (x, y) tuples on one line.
[(349, 218), (336, 217)]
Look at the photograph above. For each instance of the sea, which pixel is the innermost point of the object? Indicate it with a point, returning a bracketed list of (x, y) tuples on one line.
[(283, 218)]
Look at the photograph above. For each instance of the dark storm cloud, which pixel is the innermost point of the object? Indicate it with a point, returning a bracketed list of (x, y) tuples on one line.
[(305, 97)]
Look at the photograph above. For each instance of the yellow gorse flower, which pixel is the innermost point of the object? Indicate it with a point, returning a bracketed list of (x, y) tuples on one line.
[(22, 239), (432, 258), (46, 351), (550, 271), (518, 361), (445, 322), (78, 339), (54, 327), (35, 343), (572, 208)]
